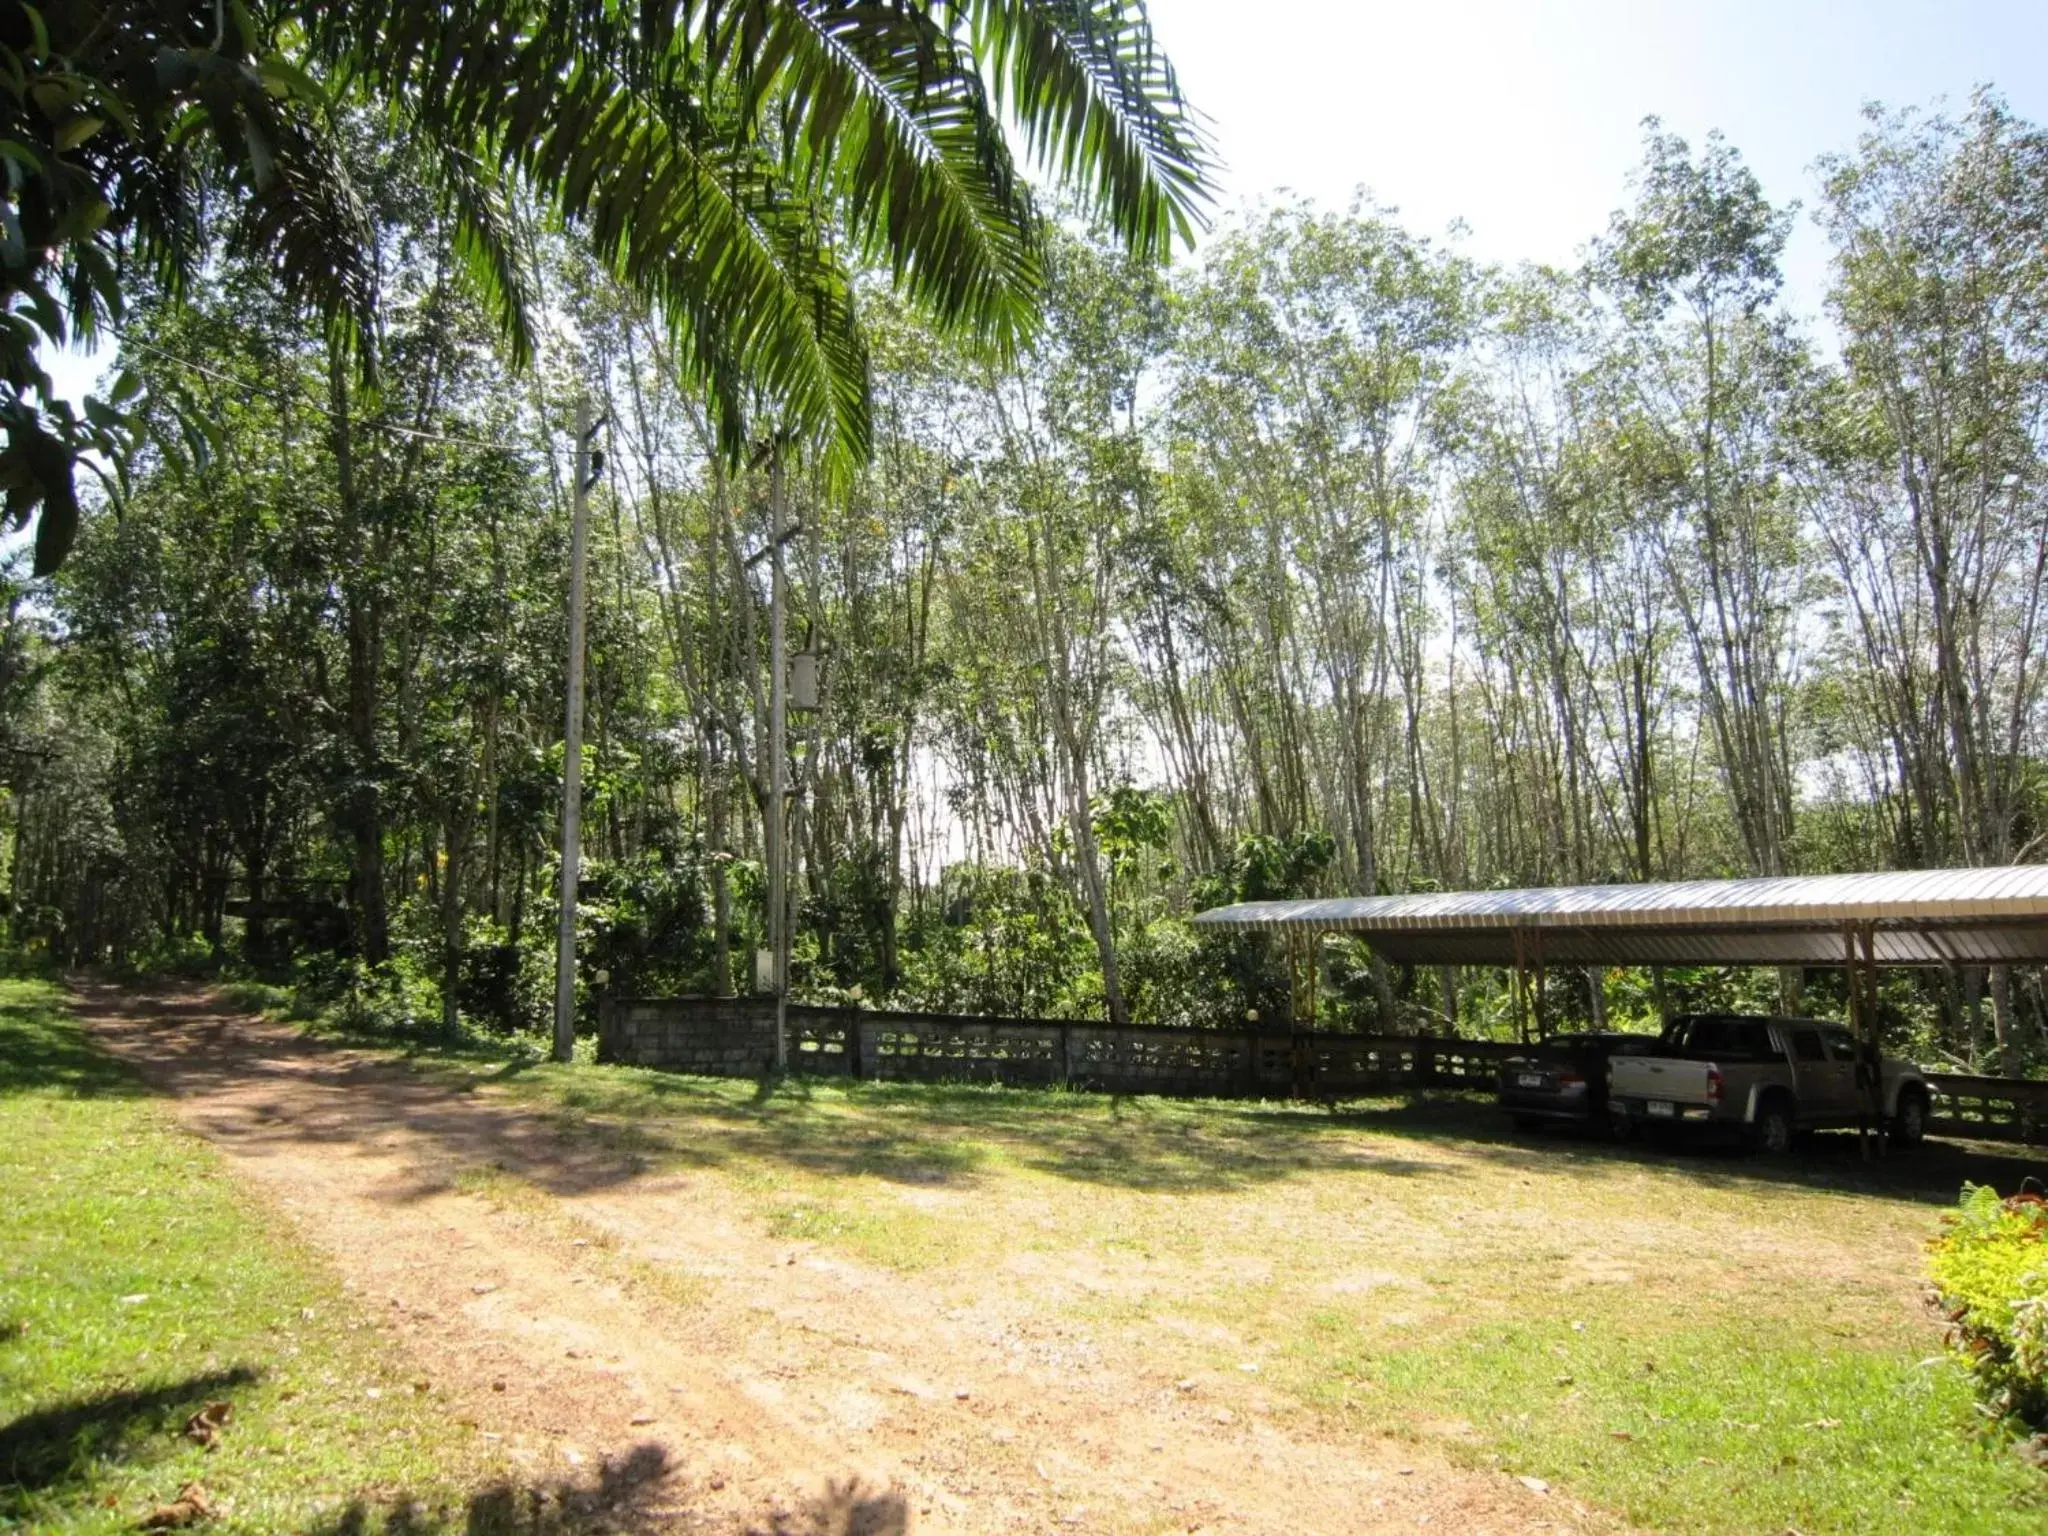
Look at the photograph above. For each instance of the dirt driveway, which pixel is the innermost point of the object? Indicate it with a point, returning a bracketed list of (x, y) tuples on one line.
[(607, 1322)]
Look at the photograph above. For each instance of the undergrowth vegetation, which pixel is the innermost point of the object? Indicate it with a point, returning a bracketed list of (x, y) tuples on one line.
[(1990, 1271)]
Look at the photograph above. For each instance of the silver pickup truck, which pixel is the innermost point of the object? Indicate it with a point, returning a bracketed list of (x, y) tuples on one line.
[(1767, 1078)]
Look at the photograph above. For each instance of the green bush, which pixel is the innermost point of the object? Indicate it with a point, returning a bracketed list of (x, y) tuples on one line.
[(1990, 1271), (27, 963)]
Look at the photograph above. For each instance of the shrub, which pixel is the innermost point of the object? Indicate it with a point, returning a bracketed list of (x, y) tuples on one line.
[(1990, 1272)]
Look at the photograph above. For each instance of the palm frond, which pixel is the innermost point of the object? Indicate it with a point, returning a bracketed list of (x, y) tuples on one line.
[(1101, 106), (730, 160), (299, 205), (489, 241), (882, 115), (674, 188)]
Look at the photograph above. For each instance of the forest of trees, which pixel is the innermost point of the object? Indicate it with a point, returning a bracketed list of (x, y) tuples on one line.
[(1326, 561)]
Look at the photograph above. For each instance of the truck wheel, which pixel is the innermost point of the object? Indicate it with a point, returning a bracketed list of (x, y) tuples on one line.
[(1773, 1131), (1909, 1125)]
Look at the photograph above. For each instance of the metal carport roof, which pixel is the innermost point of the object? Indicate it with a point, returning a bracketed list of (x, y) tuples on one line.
[(1919, 917)]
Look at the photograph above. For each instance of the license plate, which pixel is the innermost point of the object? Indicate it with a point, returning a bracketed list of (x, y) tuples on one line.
[(1529, 1080), (1663, 1107)]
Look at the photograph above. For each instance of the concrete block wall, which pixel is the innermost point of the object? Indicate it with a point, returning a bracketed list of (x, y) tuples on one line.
[(735, 1037), (716, 1036)]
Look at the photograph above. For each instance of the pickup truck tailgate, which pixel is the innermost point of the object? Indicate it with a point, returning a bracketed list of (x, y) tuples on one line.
[(1659, 1077)]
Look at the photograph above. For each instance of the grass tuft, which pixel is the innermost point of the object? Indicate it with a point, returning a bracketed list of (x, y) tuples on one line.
[(138, 1285)]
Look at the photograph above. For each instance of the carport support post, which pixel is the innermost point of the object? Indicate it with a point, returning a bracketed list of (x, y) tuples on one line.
[(1872, 1051), (1523, 943), (1302, 950), (1301, 980), (1860, 940)]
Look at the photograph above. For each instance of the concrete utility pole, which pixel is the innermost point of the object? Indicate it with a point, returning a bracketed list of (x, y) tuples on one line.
[(778, 767), (572, 744)]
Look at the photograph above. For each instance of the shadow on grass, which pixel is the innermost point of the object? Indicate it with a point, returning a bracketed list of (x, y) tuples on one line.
[(637, 1493), (50, 1448), (937, 1133), (581, 1130), (1932, 1173), (39, 1050)]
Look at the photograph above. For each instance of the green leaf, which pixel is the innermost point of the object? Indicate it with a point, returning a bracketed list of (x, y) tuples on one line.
[(54, 96), (284, 78), (77, 130), (57, 526), (39, 33)]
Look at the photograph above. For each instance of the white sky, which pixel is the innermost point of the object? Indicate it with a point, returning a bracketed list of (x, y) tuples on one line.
[(1523, 117)]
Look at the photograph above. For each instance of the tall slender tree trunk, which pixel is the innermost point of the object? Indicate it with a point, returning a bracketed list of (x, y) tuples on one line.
[(364, 619), (1087, 857), (455, 839)]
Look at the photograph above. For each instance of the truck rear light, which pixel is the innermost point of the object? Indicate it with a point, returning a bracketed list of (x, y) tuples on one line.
[(1713, 1085)]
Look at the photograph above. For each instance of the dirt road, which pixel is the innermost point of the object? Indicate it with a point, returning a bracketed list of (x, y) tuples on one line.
[(632, 1328)]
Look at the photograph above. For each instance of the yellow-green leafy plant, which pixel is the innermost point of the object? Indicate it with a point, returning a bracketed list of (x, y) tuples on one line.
[(1990, 1273)]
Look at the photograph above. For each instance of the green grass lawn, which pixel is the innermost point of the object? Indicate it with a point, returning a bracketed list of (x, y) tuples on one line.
[(137, 1285), (1697, 1342)]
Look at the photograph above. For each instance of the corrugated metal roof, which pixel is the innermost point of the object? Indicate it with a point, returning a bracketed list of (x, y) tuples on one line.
[(1921, 917)]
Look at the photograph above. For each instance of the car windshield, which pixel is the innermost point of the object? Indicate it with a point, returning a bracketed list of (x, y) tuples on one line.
[(1597, 1044), (1727, 1036)]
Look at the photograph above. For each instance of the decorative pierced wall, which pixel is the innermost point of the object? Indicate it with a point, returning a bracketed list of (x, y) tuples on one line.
[(735, 1037)]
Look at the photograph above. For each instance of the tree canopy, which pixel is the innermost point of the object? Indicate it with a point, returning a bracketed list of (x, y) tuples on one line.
[(730, 161), (1329, 562)]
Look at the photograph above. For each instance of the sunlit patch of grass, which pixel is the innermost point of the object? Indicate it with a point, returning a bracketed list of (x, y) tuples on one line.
[(876, 1230), (137, 1285), (1711, 1419), (1698, 1343)]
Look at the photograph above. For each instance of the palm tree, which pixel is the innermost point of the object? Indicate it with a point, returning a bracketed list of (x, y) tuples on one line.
[(732, 160)]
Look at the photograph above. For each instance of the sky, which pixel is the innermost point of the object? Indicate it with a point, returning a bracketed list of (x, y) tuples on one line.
[(1522, 118)]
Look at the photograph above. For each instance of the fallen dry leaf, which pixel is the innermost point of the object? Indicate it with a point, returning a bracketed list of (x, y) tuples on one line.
[(204, 1427), (192, 1504)]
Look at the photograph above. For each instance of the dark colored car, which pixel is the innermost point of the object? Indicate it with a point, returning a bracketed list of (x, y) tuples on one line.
[(1563, 1080)]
